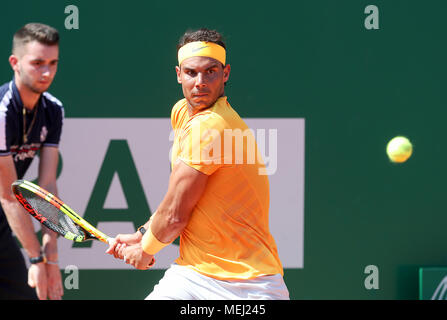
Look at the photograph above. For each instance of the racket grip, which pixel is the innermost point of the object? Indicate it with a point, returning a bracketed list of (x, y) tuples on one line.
[(110, 241)]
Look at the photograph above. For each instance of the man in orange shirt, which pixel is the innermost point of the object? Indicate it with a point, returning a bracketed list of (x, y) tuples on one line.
[(218, 194)]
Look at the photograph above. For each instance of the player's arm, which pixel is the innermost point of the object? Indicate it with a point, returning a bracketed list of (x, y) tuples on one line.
[(22, 226), (49, 159), (186, 186), (19, 221)]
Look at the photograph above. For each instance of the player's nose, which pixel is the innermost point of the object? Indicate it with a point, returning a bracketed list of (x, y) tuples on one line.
[(200, 80)]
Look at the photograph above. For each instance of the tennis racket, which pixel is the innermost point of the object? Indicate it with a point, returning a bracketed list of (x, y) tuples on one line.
[(55, 214)]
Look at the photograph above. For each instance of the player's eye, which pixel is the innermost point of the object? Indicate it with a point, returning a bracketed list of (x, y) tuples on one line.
[(190, 72)]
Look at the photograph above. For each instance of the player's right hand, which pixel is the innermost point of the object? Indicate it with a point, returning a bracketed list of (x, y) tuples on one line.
[(121, 242)]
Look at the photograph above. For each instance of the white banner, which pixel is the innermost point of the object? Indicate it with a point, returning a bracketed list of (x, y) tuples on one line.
[(91, 149)]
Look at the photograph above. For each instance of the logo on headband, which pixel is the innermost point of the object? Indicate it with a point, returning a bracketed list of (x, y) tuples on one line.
[(198, 49)]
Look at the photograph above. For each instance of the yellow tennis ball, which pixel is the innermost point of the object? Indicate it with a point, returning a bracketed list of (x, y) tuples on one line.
[(399, 149)]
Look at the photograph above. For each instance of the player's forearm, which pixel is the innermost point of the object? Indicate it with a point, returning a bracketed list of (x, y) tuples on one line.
[(49, 244), (50, 186), (172, 214), (22, 226), (49, 237), (165, 226)]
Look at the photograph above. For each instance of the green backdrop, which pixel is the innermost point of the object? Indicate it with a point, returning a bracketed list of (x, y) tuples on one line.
[(355, 88)]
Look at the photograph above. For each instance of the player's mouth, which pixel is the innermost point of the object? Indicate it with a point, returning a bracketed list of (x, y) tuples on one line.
[(43, 82), (200, 94)]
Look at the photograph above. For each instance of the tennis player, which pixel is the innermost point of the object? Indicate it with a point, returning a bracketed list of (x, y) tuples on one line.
[(216, 203), (30, 122)]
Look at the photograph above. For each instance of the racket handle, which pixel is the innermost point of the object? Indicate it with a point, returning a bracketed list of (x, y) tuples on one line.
[(110, 241)]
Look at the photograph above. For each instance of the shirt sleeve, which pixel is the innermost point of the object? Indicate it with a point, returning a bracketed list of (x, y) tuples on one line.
[(5, 143), (201, 146)]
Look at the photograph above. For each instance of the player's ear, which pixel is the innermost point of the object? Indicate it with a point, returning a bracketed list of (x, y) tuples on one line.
[(13, 61), (226, 72), (178, 71)]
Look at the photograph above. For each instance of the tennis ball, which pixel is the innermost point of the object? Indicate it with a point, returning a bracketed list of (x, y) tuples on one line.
[(399, 149)]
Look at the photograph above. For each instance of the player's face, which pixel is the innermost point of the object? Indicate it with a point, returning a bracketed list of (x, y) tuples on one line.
[(36, 65), (202, 80)]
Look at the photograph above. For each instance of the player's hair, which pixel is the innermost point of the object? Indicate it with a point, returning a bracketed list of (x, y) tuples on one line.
[(202, 34), (42, 33)]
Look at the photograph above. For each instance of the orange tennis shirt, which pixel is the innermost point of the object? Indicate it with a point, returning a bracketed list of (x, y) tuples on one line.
[(228, 234)]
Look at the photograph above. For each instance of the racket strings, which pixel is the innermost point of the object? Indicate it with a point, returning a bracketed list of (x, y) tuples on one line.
[(57, 220)]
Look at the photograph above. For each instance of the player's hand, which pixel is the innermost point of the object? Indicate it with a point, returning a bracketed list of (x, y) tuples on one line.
[(37, 278), (135, 256), (55, 289), (121, 242)]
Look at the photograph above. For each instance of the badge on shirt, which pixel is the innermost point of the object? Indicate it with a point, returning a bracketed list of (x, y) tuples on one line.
[(43, 134)]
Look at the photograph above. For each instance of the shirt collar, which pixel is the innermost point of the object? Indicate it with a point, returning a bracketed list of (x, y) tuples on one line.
[(18, 104)]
